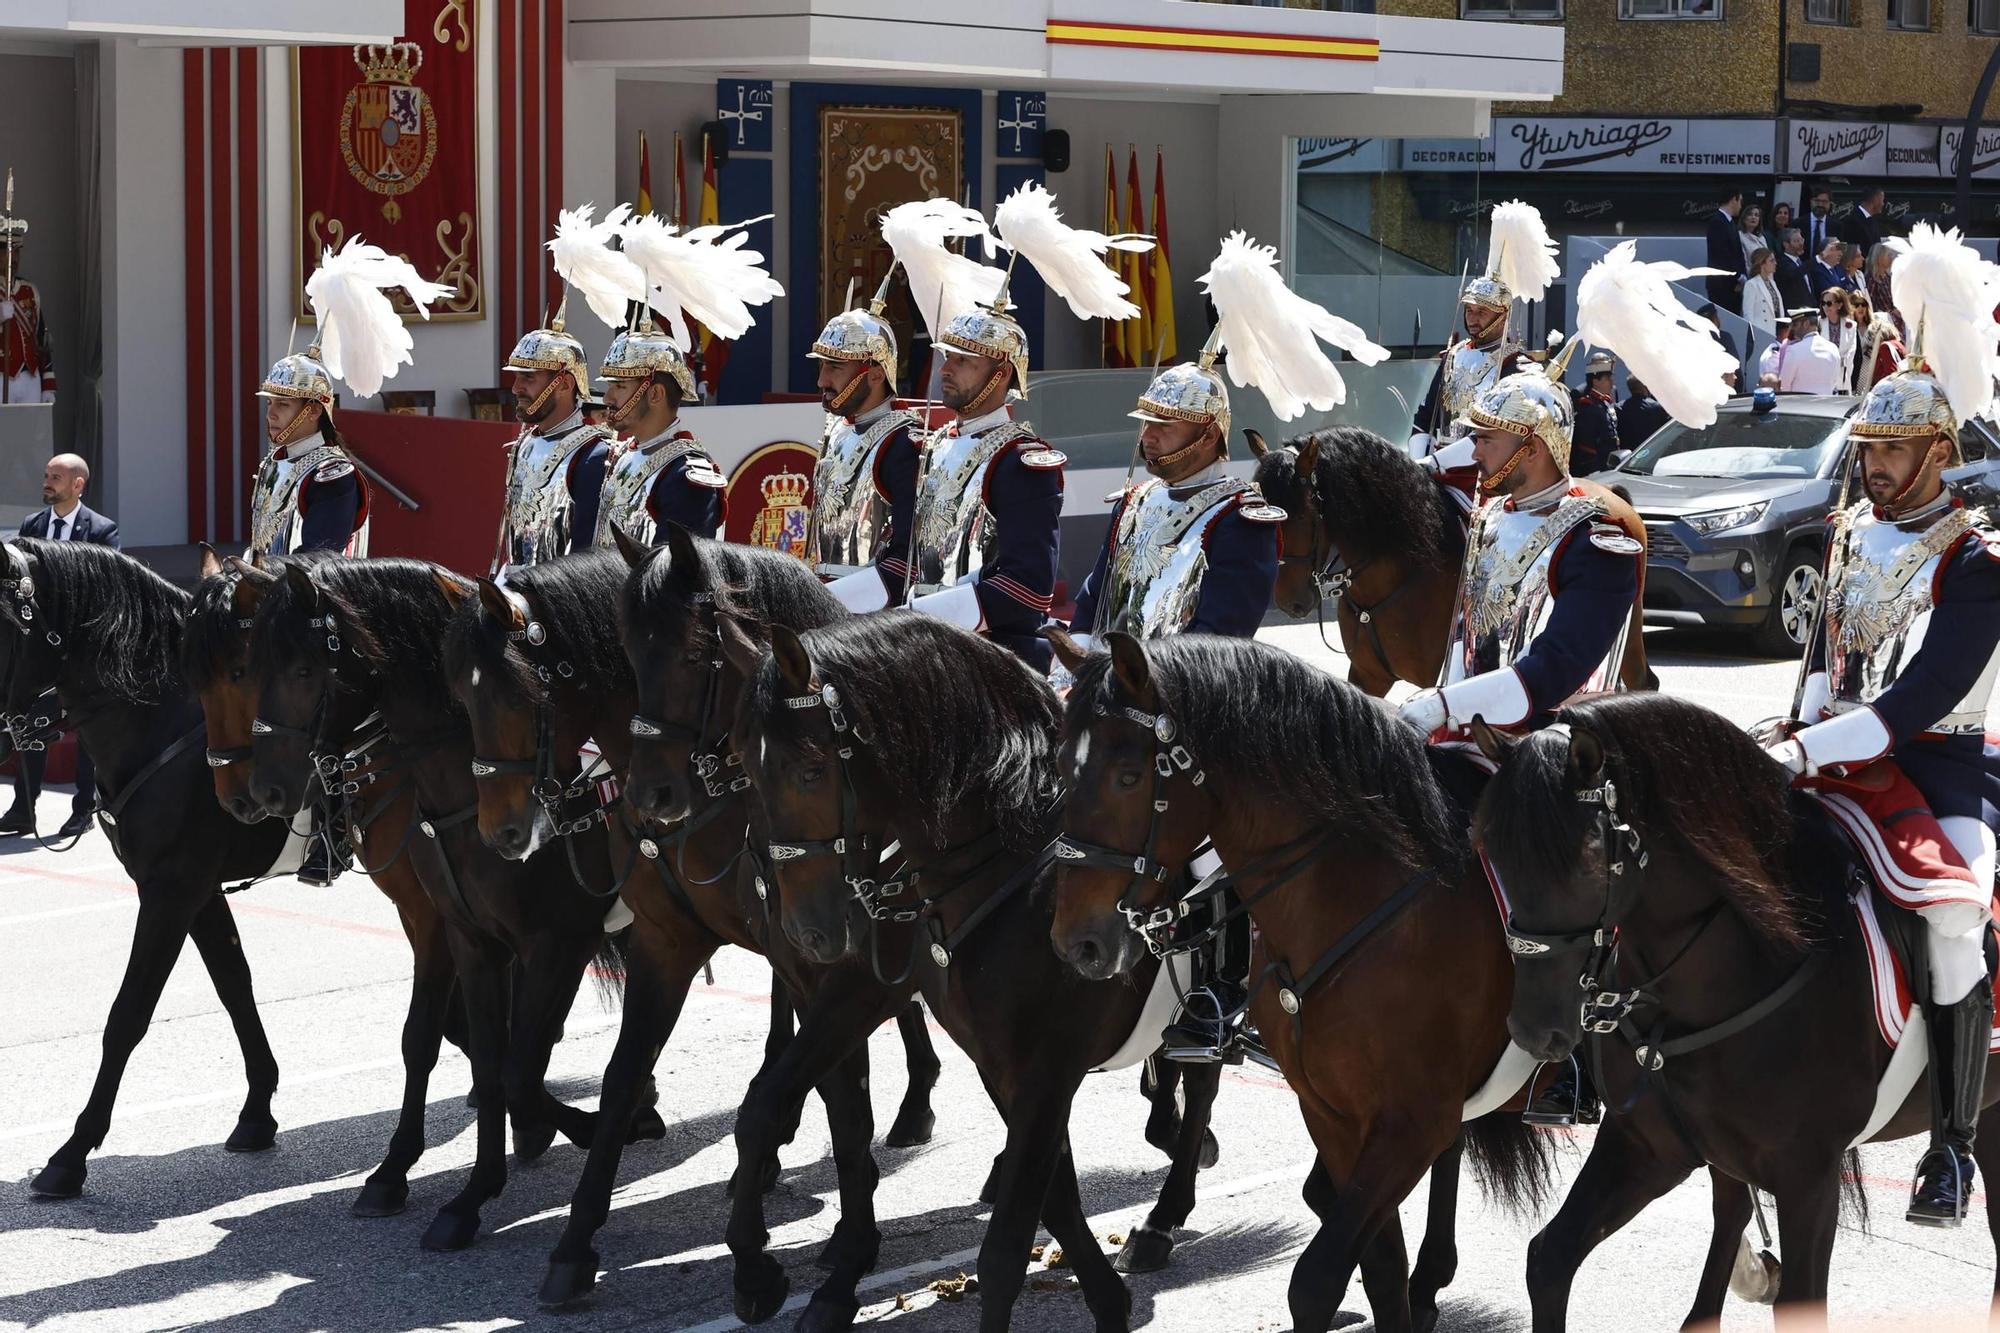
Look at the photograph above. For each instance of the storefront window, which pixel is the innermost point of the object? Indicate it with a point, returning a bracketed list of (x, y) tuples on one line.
[(1983, 16), (1913, 14), (1826, 11), (1511, 9), (1669, 9)]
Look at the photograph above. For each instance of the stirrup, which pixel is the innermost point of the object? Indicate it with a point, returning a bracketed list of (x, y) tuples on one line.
[(1547, 1109), (1935, 1211)]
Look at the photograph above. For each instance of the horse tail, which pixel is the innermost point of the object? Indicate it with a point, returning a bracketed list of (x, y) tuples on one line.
[(1853, 1193), (607, 967), (1513, 1163)]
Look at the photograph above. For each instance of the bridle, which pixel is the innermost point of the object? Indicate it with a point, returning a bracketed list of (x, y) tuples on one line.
[(1334, 578), (40, 723)]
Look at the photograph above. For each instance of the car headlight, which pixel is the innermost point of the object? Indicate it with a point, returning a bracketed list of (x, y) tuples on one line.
[(1721, 520)]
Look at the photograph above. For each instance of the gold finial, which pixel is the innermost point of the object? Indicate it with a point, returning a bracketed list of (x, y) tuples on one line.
[(1211, 349), (562, 310), (1559, 363), (880, 301)]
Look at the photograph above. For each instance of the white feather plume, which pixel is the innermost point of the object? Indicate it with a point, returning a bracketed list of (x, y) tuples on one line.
[(1521, 254), (1948, 292), (362, 340), (1070, 259), (943, 285), (704, 271), (1627, 306), (608, 280), (1263, 325)]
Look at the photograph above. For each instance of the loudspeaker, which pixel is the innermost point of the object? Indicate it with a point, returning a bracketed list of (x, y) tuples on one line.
[(1055, 150), (718, 144)]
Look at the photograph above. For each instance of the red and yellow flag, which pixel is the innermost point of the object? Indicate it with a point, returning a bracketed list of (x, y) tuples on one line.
[(680, 217), (1114, 331), (1159, 275), (1139, 331), (714, 350), (644, 203)]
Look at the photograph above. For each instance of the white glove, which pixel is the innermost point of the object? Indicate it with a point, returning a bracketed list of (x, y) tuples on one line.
[(1422, 445), (861, 591), (6, 309), (1425, 711), (1792, 755), (48, 395)]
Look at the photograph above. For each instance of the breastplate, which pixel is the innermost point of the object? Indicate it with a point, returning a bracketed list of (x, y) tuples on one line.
[(628, 485), (536, 522), (1468, 372), (848, 518), (275, 520), (1504, 598), (954, 533), (1880, 598), (1159, 553)]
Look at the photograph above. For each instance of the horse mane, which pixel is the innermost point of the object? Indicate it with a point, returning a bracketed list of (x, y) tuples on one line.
[(1271, 727), (755, 586), (952, 720), (1687, 778), (575, 597), (1375, 499), (392, 614), (212, 633), (114, 613)]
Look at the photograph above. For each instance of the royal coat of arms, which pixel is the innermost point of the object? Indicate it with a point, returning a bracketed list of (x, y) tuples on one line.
[(388, 128), (770, 498)]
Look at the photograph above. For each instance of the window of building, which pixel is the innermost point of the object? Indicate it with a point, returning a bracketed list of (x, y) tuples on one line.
[(1983, 16), (1511, 9), (1911, 14), (1826, 11), (1669, 9)]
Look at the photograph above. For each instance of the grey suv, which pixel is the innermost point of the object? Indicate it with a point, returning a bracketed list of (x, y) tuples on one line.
[(1736, 513)]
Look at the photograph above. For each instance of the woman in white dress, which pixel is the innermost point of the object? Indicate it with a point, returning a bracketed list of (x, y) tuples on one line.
[(1750, 234), (1837, 328), (1762, 305)]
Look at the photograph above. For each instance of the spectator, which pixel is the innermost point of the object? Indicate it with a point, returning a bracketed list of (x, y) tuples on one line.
[(1825, 270), (67, 519), (1595, 433), (1639, 415), (1865, 226), (1725, 252), (1750, 234), (1761, 298), (1804, 362), (1837, 328), (1879, 346), (1818, 224), (1851, 261), (1794, 283), (1880, 295), (1774, 228)]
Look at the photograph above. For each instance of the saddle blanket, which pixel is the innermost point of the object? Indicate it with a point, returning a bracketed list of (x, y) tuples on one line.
[(1169, 984)]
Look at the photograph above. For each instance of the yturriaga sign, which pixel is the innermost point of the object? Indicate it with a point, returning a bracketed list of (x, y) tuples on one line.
[(1837, 147)]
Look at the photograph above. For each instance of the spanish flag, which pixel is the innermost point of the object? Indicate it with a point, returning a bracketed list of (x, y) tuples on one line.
[(1159, 277), (644, 204), (1139, 331), (680, 217), (1114, 331), (714, 350)]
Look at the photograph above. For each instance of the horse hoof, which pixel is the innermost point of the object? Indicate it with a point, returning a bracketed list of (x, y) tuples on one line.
[(252, 1136), (1754, 1277), (1117, 1319), (913, 1127), (381, 1198), (472, 1100), (827, 1315), (1146, 1251), (767, 1177), (1347, 1319), (646, 1124), (569, 1283), (1211, 1151), (756, 1306), (59, 1180), (451, 1231), (1424, 1320), (532, 1140)]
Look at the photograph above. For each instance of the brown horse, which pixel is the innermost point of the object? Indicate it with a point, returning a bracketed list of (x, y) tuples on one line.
[(1369, 526)]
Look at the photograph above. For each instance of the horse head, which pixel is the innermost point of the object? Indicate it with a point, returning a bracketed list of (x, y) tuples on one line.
[(301, 642), (216, 656), (1288, 477), (675, 637), (489, 670)]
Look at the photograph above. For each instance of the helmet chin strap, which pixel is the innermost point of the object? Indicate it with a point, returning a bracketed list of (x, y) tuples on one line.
[(975, 406), (1894, 504), (1166, 463), (838, 403), (543, 397), (1491, 485), (291, 430), (618, 416)]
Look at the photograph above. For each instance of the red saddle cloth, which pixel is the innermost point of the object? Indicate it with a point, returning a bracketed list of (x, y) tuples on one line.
[(1891, 825)]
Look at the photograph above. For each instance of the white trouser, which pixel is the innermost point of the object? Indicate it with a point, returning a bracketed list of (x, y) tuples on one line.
[(1958, 930), (25, 387)]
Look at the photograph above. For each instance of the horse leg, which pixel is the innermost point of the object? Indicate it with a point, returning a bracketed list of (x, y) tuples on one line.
[(857, 1239), (914, 1118), (1353, 1222), (846, 1008), (483, 980), (784, 1019), (1385, 1275), (1986, 1152), (166, 912), (1437, 1257), (433, 994), (1110, 1301), (1146, 1250), (1732, 1207), (657, 981), (1158, 1078), (545, 986), (1037, 1128), (1619, 1178), (221, 949), (1808, 1220)]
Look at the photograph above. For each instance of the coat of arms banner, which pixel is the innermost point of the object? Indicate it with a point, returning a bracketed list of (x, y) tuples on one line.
[(386, 147)]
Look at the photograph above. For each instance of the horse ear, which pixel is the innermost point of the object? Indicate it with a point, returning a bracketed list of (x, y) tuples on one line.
[(249, 590), (1129, 665), (684, 557), (259, 560), (794, 663), (1308, 457), (743, 653), (211, 563), (1255, 439), (500, 606), (449, 587), (1586, 759), (1068, 651), (302, 585), (1495, 745), (633, 551)]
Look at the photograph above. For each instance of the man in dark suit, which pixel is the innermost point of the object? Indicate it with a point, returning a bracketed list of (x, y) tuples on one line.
[(1726, 253), (1794, 283), (67, 519), (1864, 225), (1817, 224), (1824, 272), (1639, 415)]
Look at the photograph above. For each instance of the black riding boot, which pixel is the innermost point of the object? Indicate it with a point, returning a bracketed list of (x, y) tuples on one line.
[(327, 852), (1567, 1099), (1210, 1023), (1958, 1040)]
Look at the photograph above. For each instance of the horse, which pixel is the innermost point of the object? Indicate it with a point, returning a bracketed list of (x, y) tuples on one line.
[(1368, 525), (1349, 856), (102, 632), (353, 637), (1652, 846), (215, 651), (538, 667), (900, 727)]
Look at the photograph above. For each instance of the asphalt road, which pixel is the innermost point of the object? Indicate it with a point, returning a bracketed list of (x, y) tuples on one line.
[(173, 1232)]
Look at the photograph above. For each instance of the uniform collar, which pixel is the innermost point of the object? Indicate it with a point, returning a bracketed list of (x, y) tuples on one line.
[(676, 431), (300, 448), (563, 427), (1542, 500), (979, 425), (1919, 519), (1186, 485), (875, 413)]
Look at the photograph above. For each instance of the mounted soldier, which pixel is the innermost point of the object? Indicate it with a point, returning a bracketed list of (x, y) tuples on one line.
[(556, 466), (1891, 719)]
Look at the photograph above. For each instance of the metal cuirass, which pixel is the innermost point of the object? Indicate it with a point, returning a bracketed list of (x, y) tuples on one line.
[(1504, 596), (1881, 587), (628, 485), (1468, 372), (276, 522), (848, 518), (535, 524), (953, 532), (1152, 581)]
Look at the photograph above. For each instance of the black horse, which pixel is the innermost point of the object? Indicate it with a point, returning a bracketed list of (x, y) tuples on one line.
[(898, 727), (540, 666), (1650, 847), (103, 633), (352, 637)]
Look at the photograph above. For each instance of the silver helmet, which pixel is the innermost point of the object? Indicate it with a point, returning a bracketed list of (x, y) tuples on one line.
[(299, 376), (1191, 391), (551, 349), (990, 332), (1533, 401), (640, 353), (861, 334)]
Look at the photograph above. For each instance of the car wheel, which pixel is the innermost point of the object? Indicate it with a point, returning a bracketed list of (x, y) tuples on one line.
[(1794, 605)]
